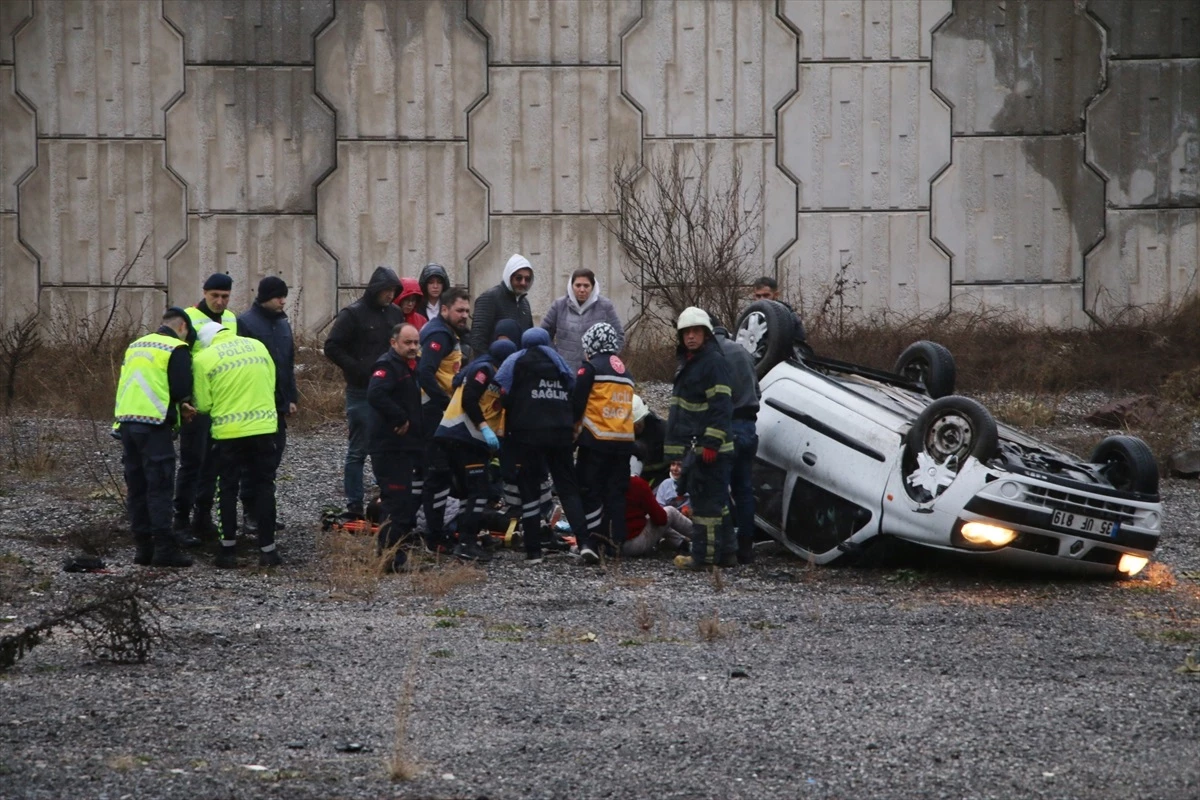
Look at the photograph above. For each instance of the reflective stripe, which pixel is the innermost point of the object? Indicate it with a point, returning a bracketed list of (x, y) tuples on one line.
[(154, 399), (715, 433), (695, 408), (268, 548), (607, 435), (673, 449), (717, 389), (243, 416), (225, 366)]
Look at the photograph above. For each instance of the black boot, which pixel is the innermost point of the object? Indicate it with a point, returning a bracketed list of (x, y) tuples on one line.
[(167, 552), (144, 553), (226, 556), (468, 550)]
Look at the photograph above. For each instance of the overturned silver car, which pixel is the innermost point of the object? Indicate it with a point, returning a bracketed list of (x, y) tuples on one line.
[(848, 453)]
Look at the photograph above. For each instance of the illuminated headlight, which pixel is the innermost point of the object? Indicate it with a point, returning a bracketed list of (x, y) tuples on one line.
[(981, 533), (1131, 565)]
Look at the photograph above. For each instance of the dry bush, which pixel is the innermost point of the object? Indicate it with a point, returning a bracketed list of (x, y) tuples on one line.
[(1158, 576), (401, 764), (16, 577), (716, 577), (711, 628), (98, 537), (650, 352), (644, 616), (1183, 387), (439, 579), (321, 386), (1026, 412), (32, 446), (19, 343), (354, 568)]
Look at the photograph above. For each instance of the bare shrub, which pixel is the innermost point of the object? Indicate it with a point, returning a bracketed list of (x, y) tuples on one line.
[(32, 450), (650, 352), (692, 239), (353, 568), (96, 538), (18, 345), (711, 628), (1183, 387), (644, 616), (321, 387)]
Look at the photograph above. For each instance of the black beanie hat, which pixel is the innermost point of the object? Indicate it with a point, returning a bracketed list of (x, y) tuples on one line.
[(271, 287), (218, 281)]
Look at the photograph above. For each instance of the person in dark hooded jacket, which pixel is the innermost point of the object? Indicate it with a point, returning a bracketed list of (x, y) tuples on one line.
[(433, 280), (362, 333)]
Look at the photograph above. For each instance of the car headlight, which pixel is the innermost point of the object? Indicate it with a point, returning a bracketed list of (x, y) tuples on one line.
[(1131, 565), (987, 535)]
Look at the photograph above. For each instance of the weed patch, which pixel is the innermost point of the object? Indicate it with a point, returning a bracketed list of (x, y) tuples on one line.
[(712, 628), (442, 578)]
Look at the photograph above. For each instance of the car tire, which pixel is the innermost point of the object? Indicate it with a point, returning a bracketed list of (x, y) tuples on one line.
[(953, 426), (929, 364), (1128, 464), (766, 330)]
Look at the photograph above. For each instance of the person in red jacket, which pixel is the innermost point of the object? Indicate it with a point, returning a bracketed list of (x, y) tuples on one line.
[(408, 298), (648, 523)]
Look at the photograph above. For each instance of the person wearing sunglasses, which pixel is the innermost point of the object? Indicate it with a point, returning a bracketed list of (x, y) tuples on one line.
[(506, 300)]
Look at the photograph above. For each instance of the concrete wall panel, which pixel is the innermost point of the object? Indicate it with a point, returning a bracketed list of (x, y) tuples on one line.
[(1018, 67), (250, 247), (248, 31), (17, 140), (1148, 257), (401, 204), (555, 246), (1053, 305), (547, 140), (1149, 28), (864, 30), (12, 14), (886, 259), (87, 207), (1018, 210), (250, 139), (88, 308), (553, 32), (1144, 133), (102, 68), (865, 136), (18, 274), (699, 68), (401, 70)]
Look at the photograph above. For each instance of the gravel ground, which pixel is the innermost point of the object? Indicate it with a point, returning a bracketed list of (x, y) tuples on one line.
[(920, 679)]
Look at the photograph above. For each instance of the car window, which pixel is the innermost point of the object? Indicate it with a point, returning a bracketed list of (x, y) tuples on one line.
[(819, 520), (768, 482)]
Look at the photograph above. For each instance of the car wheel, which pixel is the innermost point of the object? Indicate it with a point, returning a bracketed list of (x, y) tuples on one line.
[(948, 431), (929, 364), (765, 329), (1128, 464)]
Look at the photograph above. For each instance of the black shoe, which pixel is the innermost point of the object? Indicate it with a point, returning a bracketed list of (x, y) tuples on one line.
[(279, 526), (727, 560), (226, 558), (169, 556), (745, 552), (534, 557), (354, 510), (143, 556), (184, 538), (471, 551), (269, 559)]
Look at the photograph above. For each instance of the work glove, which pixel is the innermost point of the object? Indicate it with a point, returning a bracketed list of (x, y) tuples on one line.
[(493, 443), (708, 455)]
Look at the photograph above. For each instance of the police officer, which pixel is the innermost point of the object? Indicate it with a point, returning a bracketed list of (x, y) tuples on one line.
[(699, 433), (156, 378), (397, 439), (603, 407), (535, 384), (746, 394), (197, 480), (468, 435), (235, 385), (441, 359)]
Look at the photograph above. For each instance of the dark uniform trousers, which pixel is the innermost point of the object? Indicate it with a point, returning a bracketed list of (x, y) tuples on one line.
[(395, 473), (712, 526), (252, 457), (247, 485), (604, 479), (530, 463), (196, 483), (470, 465), (148, 456)]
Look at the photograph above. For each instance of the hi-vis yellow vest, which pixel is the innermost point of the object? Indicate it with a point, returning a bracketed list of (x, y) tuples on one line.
[(235, 383), (609, 413), (143, 391), (198, 318), (456, 421)]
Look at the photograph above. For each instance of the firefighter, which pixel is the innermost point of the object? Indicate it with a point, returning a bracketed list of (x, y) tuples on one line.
[(235, 384), (397, 438), (441, 359), (196, 482), (469, 434), (535, 384), (156, 379), (603, 407), (699, 432)]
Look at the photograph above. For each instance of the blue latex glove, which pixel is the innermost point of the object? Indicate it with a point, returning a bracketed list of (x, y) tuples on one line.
[(492, 442)]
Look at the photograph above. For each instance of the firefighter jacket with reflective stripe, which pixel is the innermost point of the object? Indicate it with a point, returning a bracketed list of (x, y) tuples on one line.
[(476, 401), (199, 316), (144, 388), (701, 402), (235, 383), (538, 403), (441, 358), (395, 400), (603, 404)]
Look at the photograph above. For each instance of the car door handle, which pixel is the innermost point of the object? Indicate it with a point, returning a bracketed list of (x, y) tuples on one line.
[(810, 459)]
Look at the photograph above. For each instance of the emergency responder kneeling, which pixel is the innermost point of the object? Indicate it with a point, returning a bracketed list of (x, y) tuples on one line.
[(235, 385)]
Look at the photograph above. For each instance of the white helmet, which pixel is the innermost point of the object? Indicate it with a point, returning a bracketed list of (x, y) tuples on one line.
[(640, 409), (691, 317)]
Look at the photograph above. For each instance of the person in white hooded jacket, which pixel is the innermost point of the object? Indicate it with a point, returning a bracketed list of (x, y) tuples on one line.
[(506, 300), (570, 316)]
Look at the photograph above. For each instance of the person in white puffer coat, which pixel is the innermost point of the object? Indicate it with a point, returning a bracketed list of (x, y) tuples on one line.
[(570, 316)]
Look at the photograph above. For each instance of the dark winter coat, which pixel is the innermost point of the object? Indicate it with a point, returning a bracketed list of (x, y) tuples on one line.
[(362, 331), (395, 399), (497, 303), (275, 331), (701, 402), (743, 381)]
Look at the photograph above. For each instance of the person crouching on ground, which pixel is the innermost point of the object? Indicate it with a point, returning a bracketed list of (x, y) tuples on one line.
[(650, 524), (602, 402), (396, 439)]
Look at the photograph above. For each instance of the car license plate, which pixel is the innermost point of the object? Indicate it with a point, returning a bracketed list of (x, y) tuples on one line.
[(1078, 522)]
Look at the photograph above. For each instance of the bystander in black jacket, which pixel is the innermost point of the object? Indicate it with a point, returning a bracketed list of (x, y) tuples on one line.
[(275, 331), (362, 331), (395, 399)]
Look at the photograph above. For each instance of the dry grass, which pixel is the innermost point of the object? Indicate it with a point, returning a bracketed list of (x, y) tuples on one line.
[(354, 569), (32, 447), (644, 616), (440, 578), (717, 577), (1026, 412), (321, 387), (401, 763), (712, 628), (650, 352), (1159, 576)]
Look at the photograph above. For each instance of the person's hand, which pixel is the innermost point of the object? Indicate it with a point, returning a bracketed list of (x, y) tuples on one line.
[(291, 409), (489, 436), (403, 429), (708, 455), (187, 412)]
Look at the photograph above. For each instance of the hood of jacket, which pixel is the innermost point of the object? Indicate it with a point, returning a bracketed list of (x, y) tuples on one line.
[(408, 288), (516, 262), (432, 270), (382, 278), (577, 307)]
